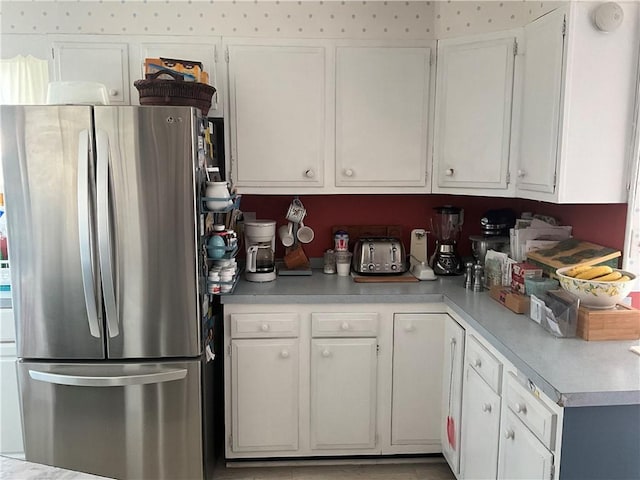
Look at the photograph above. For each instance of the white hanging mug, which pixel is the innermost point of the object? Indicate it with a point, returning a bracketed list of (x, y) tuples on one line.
[(305, 234), (286, 234), (296, 211)]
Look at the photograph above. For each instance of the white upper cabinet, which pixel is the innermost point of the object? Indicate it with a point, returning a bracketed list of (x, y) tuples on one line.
[(206, 50), (578, 100), (277, 115), (475, 86), (382, 116), (94, 61)]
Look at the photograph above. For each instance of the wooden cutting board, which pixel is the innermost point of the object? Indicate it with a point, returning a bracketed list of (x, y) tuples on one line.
[(403, 278)]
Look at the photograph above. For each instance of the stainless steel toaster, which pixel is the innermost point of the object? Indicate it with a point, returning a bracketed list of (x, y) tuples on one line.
[(379, 255)]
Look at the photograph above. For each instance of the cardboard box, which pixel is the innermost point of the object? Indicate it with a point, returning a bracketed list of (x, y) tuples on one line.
[(571, 252), (514, 301), (520, 271), (619, 323)]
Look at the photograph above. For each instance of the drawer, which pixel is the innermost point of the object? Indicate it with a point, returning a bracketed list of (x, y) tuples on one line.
[(264, 325), (344, 324), (483, 362), (531, 410)]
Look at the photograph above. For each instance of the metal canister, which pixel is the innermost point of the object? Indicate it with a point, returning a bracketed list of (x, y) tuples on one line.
[(478, 272)]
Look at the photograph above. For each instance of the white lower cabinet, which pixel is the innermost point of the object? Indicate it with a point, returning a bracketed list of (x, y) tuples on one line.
[(10, 417), (522, 455), (264, 389), (343, 393), (481, 404), (417, 378), (452, 375)]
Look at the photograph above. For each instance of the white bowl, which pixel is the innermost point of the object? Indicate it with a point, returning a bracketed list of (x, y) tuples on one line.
[(594, 294)]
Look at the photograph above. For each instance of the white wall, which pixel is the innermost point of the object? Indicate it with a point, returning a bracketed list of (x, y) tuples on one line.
[(290, 19)]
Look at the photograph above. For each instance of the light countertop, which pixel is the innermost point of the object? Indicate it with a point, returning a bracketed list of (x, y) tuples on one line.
[(13, 468), (571, 371)]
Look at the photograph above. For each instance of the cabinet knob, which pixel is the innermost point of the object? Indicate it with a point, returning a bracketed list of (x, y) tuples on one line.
[(486, 407), (113, 92), (509, 434), (449, 172), (477, 363), (453, 341), (264, 327), (284, 354), (521, 173), (345, 326), (309, 173), (409, 328), (521, 408), (326, 353), (348, 172)]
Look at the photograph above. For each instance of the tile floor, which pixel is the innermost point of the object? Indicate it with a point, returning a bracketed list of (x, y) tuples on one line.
[(430, 470)]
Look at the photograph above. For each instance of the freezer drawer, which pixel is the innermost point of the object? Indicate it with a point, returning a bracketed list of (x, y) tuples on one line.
[(126, 421)]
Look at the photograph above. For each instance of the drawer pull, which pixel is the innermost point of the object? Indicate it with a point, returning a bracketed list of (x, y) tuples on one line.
[(486, 407), (264, 327), (326, 353), (477, 363), (284, 354), (509, 434), (345, 326), (521, 408)]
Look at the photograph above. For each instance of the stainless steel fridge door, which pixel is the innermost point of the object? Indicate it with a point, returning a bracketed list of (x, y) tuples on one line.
[(146, 216), (125, 421), (48, 167)]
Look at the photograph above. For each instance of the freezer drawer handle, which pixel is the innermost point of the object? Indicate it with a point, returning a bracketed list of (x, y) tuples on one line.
[(84, 234), (104, 233), (117, 381)]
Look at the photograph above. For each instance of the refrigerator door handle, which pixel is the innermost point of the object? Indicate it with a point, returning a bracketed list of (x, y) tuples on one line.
[(104, 232), (84, 234), (110, 381)]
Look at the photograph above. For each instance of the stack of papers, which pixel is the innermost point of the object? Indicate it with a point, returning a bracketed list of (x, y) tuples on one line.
[(535, 236)]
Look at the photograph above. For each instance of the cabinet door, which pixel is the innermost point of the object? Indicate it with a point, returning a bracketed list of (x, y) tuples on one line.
[(522, 455), (343, 393), (204, 51), (452, 373), (417, 378), (480, 428), (264, 392), (382, 115), (277, 113), (10, 418), (103, 62), (474, 94), (539, 127)]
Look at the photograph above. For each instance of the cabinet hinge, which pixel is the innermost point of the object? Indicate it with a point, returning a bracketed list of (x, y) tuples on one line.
[(554, 181), (515, 47), (230, 440), (564, 26), (215, 54), (53, 53), (508, 178), (553, 471), (229, 350), (377, 349), (226, 54)]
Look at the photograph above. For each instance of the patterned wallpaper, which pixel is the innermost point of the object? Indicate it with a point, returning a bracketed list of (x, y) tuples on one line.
[(290, 19)]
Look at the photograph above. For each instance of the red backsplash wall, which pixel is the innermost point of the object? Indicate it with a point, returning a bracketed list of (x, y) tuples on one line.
[(602, 224)]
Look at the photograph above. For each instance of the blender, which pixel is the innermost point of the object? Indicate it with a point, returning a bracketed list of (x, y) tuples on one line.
[(446, 225), (260, 241)]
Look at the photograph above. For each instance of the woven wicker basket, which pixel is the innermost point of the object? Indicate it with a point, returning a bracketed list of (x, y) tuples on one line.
[(154, 91)]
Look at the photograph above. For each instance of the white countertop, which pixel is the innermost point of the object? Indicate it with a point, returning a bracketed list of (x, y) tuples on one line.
[(571, 371), (11, 468)]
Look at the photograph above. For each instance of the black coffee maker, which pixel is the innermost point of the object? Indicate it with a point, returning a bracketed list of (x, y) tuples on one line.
[(446, 225)]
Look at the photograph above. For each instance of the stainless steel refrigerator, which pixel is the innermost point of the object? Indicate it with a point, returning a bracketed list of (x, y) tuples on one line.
[(102, 208)]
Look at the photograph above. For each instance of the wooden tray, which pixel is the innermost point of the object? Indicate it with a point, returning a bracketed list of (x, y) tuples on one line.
[(405, 277), (619, 323)]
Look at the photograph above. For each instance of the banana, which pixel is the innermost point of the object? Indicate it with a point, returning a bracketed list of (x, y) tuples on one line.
[(594, 272), (624, 278), (576, 270), (609, 277)]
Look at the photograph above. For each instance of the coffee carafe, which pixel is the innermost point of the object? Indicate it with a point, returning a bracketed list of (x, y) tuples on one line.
[(260, 241), (446, 225)]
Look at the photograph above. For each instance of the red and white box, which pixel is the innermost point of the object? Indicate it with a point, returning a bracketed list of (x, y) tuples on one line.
[(520, 271)]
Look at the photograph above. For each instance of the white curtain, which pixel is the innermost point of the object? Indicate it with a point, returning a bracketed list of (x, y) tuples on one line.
[(632, 234), (23, 80)]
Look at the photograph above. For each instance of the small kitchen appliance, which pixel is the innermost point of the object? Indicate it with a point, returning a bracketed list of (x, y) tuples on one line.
[(260, 241), (497, 222), (379, 255), (418, 258), (446, 225)]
